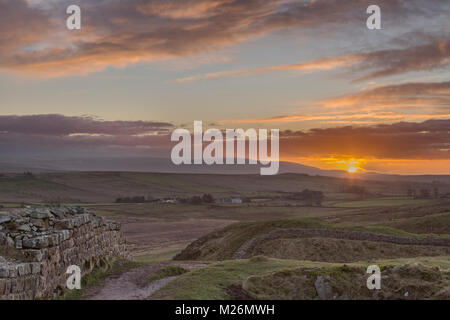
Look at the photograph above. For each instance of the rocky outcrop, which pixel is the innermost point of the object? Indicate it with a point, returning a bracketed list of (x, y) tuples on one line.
[(37, 245)]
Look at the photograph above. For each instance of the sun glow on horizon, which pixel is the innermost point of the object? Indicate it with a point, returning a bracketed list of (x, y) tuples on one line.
[(350, 164), (352, 169), (379, 165), (347, 163)]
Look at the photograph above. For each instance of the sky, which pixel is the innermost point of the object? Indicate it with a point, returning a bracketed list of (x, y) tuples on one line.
[(343, 96)]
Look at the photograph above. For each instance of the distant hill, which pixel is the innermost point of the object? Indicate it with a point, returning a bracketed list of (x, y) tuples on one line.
[(146, 164), (164, 165), (405, 178)]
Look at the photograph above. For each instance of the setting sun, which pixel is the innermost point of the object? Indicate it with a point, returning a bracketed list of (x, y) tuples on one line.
[(347, 163), (352, 164), (352, 169)]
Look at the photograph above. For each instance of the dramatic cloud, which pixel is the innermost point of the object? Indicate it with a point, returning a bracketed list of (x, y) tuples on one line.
[(427, 140), (319, 64), (423, 95), (59, 125), (429, 56), (117, 33), (21, 26), (404, 102), (52, 135), (434, 54), (404, 140), (345, 118)]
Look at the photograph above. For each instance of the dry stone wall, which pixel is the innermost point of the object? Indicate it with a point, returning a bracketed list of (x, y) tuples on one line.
[(37, 245), (249, 246)]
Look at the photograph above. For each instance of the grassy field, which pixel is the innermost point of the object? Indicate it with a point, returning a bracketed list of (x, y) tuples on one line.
[(224, 243), (380, 202), (288, 268), (105, 187), (439, 223), (214, 281), (210, 282), (158, 232)]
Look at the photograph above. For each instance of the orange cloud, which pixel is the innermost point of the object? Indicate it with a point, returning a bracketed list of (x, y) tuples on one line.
[(319, 64), (345, 118), (434, 54), (407, 95), (403, 140), (117, 33), (181, 9), (404, 102)]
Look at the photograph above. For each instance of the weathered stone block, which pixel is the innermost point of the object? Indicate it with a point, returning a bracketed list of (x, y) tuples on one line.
[(39, 223), (18, 244), (4, 219), (59, 212), (41, 213), (4, 271), (24, 227), (10, 242), (2, 286), (38, 215), (35, 267), (64, 224), (2, 238)]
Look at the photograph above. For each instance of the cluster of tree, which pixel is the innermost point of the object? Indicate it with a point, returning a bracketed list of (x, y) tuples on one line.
[(310, 197), (135, 199), (423, 193), (28, 174), (206, 198), (355, 189)]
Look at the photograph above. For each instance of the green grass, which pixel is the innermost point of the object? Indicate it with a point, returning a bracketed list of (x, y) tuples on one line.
[(156, 257), (348, 282), (442, 262), (381, 202), (97, 277), (169, 271), (10, 205), (101, 212), (211, 282), (436, 223)]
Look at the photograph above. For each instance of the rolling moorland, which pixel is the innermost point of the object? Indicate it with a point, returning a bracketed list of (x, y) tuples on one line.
[(271, 246)]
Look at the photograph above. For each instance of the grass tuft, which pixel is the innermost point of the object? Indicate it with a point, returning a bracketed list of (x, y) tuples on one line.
[(170, 271)]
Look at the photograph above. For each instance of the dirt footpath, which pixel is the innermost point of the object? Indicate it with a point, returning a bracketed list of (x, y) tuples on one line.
[(134, 284)]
